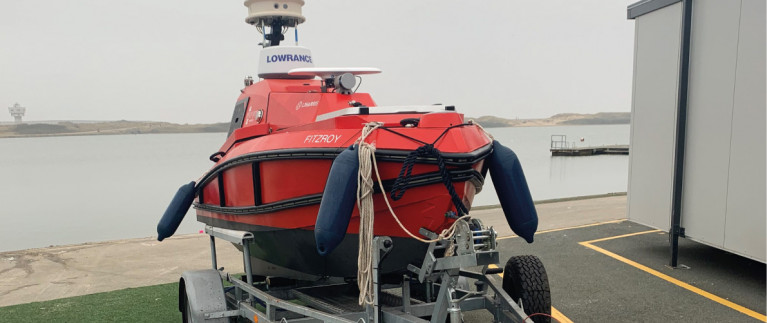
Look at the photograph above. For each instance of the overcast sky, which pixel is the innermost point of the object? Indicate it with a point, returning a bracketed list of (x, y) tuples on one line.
[(184, 60)]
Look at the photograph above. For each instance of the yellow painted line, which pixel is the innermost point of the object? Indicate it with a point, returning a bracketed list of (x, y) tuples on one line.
[(670, 279), (568, 228), (620, 236), (554, 312), (559, 316)]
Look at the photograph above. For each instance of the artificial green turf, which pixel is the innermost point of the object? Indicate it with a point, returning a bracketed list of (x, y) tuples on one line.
[(144, 304)]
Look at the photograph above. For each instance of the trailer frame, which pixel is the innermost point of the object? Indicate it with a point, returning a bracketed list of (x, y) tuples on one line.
[(203, 297)]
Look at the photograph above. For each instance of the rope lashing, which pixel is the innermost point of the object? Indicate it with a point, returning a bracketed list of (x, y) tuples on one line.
[(403, 180)]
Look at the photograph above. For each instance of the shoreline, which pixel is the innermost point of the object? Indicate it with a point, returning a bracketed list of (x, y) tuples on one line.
[(122, 127), (108, 133), (556, 200), (35, 129)]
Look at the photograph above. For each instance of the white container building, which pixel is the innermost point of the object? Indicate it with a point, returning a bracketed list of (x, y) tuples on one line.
[(697, 163)]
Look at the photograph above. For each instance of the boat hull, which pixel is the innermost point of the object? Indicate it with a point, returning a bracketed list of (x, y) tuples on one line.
[(278, 253), (259, 185), (287, 246)]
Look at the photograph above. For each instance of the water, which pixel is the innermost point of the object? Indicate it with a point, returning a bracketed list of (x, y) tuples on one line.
[(65, 190), (556, 177)]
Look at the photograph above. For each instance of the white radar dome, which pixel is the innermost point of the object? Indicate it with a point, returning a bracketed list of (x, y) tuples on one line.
[(276, 62), (261, 12)]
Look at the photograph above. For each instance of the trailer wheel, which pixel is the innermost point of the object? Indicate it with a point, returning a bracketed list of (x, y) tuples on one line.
[(185, 317), (525, 280)]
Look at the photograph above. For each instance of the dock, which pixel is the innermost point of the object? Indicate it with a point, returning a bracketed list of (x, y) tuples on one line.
[(561, 147), (590, 151)]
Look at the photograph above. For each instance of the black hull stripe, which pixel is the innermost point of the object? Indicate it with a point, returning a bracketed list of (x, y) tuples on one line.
[(463, 175), (464, 160), (239, 226)]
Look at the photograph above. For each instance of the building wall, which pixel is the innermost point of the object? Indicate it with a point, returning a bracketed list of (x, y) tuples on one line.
[(713, 56), (723, 199), (746, 222), (653, 116), (724, 184)]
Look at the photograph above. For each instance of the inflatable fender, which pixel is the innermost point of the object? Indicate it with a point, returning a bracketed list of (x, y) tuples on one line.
[(513, 192), (338, 201), (175, 211)]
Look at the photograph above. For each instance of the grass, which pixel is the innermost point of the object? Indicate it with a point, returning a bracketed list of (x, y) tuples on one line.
[(144, 304), (157, 303)]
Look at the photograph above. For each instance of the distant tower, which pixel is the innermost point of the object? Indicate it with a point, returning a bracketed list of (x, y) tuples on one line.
[(17, 112)]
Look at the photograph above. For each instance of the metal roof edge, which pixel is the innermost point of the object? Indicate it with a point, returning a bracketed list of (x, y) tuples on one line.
[(647, 6)]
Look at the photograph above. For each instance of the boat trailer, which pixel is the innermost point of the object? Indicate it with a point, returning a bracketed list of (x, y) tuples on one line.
[(437, 291)]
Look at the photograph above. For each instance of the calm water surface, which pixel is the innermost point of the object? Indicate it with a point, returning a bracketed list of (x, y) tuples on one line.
[(555, 177), (64, 190)]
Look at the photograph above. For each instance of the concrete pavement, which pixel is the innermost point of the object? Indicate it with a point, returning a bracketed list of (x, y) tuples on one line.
[(617, 272), (561, 214)]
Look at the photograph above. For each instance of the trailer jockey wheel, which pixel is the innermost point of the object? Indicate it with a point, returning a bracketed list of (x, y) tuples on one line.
[(525, 279)]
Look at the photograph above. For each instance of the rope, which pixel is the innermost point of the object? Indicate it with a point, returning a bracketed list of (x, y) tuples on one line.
[(428, 150), (366, 155), (402, 181), (367, 218)]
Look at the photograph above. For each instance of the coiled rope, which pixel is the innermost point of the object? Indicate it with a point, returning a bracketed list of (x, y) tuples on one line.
[(366, 155), (367, 217)]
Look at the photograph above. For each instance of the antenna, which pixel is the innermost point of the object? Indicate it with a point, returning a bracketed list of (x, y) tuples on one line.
[(273, 18)]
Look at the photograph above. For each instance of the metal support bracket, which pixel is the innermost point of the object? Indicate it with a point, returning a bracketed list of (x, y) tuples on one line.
[(382, 247)]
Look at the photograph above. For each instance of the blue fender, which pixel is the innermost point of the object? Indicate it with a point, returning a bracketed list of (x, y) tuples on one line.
[(175, 211), (338, 201), (513, 192)]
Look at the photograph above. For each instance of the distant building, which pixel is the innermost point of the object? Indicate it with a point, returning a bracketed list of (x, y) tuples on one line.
[(697, 163), (17, 112)]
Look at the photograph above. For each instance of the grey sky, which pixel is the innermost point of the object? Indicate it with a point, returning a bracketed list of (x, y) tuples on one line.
[(184, 60)]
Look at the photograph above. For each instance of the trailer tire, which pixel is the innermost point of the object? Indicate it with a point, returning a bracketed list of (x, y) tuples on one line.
[(186, 310), (525, 280)]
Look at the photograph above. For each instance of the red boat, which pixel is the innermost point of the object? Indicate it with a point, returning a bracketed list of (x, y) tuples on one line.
[(286, 131)]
